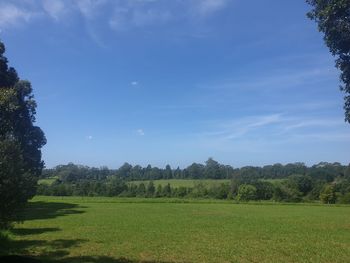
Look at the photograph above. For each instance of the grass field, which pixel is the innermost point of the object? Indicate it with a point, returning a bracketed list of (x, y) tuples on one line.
[(112, 230), (184, 182), (47, 181)]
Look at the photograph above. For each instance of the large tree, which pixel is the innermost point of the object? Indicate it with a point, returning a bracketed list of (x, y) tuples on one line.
[(20, 143), (333, 18)]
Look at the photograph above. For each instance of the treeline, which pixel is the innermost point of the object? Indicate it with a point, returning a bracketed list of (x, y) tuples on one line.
[(329, 183), (210, 170), (295, 188)]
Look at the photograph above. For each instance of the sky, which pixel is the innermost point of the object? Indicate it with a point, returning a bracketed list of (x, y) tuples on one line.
[(246, 82)]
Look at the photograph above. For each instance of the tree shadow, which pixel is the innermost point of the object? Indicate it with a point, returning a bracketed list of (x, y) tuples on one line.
[(83, 259), (33, 231), (54, 251), (47, 210)]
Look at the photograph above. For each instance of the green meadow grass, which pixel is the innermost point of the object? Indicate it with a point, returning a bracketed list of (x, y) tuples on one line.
[(48, 181), (76, 229)]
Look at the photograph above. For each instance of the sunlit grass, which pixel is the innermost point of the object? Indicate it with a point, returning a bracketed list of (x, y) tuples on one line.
[(77, 229)]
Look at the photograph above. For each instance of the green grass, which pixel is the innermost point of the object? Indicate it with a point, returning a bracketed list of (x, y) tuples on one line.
[(274, 181), (76, 229), (184, 182), (48, 181)]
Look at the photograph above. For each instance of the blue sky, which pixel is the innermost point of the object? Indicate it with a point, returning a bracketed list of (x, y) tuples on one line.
[(245, 82)]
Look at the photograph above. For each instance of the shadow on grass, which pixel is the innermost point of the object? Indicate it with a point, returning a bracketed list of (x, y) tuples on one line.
[(47, 210), (33, 231), (54, 251), (100, 259)]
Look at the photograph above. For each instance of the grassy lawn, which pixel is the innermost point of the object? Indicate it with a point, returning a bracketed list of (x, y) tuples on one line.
[(76, 229), (48, 181)]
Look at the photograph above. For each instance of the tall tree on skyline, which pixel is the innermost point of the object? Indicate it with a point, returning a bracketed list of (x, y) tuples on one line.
[(333, 19), (20, 142)]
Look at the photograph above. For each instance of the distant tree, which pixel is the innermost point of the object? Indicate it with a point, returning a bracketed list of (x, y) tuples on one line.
[(345, 199), (167, 190), (328, 194), (302, 182), (181, 191), (136, 173), (150, 189), (141, 190), (287, 192), (264, 190), (115, 187), (159, 191), (147, 172), (124, 171), (196, 171), (168, 173), (333, 18), (20, 142), (178, 173), (316, 190), (246, 192), (155, 173), (347, 172), (212, 169)]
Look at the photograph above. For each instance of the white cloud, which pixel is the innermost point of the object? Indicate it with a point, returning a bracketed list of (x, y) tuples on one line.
[(11, 15), (140, 132), (277, 79), (275, 128), (149, 17), (207, 7), (246, 125), (89, 8), (118, 15), (315, 123), (138, 16), (56, 9), (134, 83)]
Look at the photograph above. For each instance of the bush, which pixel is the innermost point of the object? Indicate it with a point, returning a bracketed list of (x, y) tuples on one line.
[(246, 192), (328, 194), (344, 199)]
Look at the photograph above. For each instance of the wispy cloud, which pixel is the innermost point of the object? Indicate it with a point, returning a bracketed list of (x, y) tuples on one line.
[(89, 8), (140, 132), (118, 15), (89, 137), (208, 7), (12, 15), (134, 83), (276, 79), (315, 123), (231, 129), (55, 9), (275, 127)]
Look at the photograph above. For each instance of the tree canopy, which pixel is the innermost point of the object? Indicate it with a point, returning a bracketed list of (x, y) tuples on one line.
[(333, 18), (20, 142)]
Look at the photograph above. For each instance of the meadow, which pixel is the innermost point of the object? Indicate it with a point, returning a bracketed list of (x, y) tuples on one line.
[(76, 229)]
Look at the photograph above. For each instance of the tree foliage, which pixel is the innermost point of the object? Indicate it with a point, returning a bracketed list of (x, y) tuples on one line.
[(333, 18), (20, 142)]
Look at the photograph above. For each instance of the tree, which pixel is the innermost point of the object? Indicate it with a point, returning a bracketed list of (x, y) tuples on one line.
[(328, 195), (303, 183), (167, 190), (212, 169), (333, 18), (196, 171), (246, 192), (168, 173), (20, 143), (150, 189)]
